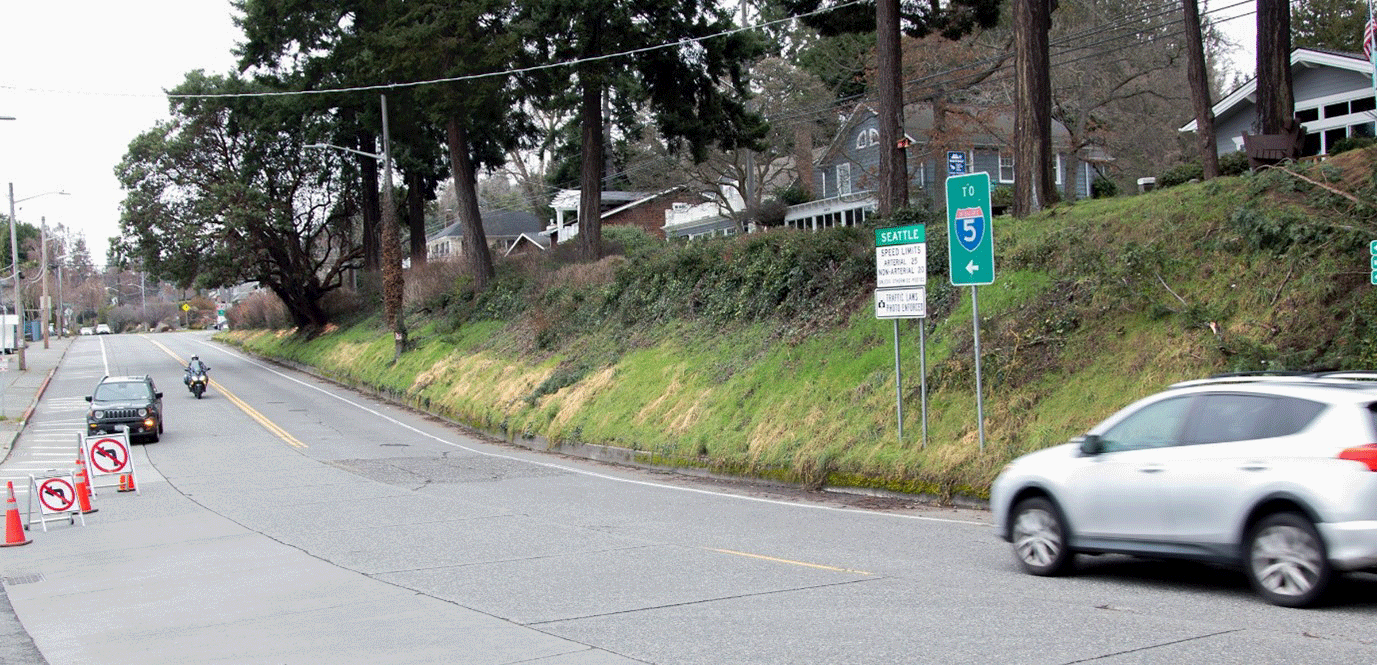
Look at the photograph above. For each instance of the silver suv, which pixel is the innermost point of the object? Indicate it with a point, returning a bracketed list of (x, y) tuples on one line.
[(1273, 474)]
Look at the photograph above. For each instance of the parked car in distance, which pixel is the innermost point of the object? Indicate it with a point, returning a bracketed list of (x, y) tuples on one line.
[(102, 329), (120, 402), (86, 330), (1276, 475)]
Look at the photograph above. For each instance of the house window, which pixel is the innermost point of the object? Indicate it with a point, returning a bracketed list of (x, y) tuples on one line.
[(1308, 115), (1056, 170), (867, 137), (1312, 145), (1006, 167), (1361, 129), (1335, 110), (843, 179), (1364, 104), (1332, 136)]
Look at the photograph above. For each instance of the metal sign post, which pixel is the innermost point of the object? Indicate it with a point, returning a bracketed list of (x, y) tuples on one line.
[(901, 277), (970, 250)]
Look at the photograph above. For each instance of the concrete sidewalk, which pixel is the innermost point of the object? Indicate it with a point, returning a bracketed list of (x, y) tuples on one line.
[(21, 389)]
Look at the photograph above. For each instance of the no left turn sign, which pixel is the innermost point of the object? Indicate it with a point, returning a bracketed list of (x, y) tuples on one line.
[(109, 455), (56, 495)]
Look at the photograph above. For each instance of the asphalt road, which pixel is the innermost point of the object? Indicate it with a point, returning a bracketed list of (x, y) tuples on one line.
[(285, 520)]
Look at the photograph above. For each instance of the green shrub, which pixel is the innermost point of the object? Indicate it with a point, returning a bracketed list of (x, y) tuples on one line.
[(1002, 196), (1103, 188), (1233, 163), (792, 195), (1180, 175), (1351, 143)]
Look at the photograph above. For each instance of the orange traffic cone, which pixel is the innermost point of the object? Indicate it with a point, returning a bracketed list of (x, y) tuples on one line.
[(83, 488), (14, 528), (126, 482)]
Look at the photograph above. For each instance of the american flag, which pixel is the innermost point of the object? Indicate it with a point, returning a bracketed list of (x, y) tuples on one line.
[(1369, 35), (1369, 40)]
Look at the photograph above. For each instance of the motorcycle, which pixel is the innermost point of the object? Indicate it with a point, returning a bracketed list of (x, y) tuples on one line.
[(196, 383)]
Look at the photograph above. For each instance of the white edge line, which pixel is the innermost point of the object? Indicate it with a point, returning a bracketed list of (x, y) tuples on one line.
[(583, 472)]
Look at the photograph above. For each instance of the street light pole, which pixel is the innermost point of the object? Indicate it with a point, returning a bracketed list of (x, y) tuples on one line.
[(393, 287), (14, 256), (18, 302), (43, 275)]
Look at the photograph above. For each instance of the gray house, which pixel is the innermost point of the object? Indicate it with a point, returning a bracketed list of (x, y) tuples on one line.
[(1334, 100), (503, 229), (982, 139)]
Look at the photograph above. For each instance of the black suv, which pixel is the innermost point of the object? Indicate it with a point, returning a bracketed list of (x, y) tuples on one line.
[(126, 401)]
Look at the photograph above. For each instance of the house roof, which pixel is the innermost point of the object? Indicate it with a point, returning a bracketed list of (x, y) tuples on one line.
[(568, 199), (496, 224), (1304, 57), (995, 130), (540, 240)]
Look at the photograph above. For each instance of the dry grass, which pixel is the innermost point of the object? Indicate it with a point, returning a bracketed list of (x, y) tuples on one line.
[(427, 282)]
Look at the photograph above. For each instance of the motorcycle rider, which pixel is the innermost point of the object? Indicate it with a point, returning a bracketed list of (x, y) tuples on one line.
[(195, 366)]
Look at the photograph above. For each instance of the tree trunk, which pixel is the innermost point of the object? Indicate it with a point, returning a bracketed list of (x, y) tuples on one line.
[(590, 173), (1033, 181), (394, 286), (893, 186), (304, 307), (1200, 91), (416, 218), (1275, 103), (372, 208), (475, 241)]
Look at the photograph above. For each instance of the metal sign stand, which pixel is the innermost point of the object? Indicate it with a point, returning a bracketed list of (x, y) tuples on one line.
[(108, 457), (898, 382), (923, 369), (979, 394), (55, 492), (901, 293)]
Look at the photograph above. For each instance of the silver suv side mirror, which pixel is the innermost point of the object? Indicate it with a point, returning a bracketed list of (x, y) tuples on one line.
[(1092, 444)]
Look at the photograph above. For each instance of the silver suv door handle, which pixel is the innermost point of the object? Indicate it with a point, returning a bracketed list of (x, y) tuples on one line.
[(1152, 468)]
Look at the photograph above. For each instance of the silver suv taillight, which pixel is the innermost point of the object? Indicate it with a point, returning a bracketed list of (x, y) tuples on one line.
[(1367, 454)]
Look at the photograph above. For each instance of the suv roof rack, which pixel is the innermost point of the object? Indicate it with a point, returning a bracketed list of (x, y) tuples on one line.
[(1244, 377), (1353, 378), (1349, 375)]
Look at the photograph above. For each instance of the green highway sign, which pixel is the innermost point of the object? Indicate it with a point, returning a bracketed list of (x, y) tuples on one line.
[(1372, 247), (970, 242)]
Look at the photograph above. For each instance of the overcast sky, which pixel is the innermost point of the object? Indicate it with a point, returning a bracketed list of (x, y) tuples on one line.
[(84, 77)]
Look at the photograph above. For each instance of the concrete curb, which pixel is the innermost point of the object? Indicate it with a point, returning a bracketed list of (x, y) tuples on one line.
[(628, 457), (7, 441)]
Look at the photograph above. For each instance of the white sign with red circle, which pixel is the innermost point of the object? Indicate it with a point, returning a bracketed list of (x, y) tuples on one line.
[(108, 459), (107, 455), (56, 495)]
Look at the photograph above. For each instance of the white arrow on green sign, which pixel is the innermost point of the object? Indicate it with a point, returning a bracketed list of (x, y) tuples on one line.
[(970, 242)]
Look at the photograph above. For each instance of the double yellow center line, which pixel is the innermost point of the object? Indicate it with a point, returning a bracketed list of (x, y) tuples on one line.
[(243, 406)]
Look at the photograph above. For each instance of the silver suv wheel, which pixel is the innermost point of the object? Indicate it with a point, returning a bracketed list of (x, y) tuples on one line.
[(1039, 538), (1286, 560)]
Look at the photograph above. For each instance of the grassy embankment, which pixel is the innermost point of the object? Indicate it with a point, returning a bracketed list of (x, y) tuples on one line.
[(760, 355)]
